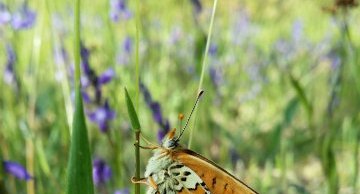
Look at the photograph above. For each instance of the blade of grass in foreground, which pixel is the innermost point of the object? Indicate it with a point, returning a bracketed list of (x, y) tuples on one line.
[(136, 126), (79, 172)]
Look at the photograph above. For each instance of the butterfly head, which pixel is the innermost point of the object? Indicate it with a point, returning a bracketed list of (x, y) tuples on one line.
[(170, 141)]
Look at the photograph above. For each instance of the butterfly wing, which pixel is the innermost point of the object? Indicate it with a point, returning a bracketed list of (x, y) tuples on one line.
[(216, 179), (186, 180)]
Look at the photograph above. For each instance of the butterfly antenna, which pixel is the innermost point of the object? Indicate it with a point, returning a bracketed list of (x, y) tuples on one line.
[(192, 111)]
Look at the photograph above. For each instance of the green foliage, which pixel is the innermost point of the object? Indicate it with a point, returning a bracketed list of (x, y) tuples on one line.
[(132, 113)]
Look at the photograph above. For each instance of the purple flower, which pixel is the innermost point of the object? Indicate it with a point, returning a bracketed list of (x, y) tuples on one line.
[(85, 55), (24, 18), (213, 49), (119, 10), (146, 93), (106, 76), (165, 127), (127, 45), (102, 116), (216, 76), (5, 15), (197, 6), (297, 31), (16, 170), (9, 74), (90, 78), (101, 172), (125, 52), (156, 112), (122, 191)]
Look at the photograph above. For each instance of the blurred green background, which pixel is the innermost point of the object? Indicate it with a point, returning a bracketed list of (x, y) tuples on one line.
[(282, 89)]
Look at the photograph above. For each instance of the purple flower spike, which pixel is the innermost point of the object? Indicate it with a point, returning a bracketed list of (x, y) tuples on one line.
[(9, 74), (119, 10), (85, 54), (102, 116), (16, 170), (106, 76), (122, 191), (127, 45), (146, 94), (101, 172), (5, 15), (23, 19), (156, 110), (213, 49)]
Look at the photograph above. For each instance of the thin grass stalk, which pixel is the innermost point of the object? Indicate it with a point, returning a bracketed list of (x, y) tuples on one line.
[(137, 128), (203, 66), (31, 119), (137, 82), (137, 58)]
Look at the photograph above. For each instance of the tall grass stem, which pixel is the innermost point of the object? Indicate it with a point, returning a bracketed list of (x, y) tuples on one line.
[(203, 66)]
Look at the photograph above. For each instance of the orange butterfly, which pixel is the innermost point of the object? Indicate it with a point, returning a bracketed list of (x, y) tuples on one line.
[(175, 170)]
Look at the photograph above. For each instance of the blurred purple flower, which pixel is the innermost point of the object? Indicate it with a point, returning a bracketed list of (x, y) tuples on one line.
[(85, 96), (213, 50), (16, 170), (85, 55), (156, 112), (216, 76), (197, 6), (119, 10), (334, 59), (90, 78), (101, 172), (234, 156), (146, 93), (127, 45), (125, 51), (106, 76), (122, 191), (243, 28), (9, 73), (5, 15), (24, 18), (102, 115), (297, 31)]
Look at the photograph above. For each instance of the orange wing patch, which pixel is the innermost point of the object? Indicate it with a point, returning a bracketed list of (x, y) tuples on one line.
[(216, 179)]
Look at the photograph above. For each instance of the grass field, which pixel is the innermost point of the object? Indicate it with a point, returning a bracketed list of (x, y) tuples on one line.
[(281, 108)]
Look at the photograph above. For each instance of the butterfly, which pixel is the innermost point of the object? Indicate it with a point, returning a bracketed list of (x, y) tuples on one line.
[(176, 170)]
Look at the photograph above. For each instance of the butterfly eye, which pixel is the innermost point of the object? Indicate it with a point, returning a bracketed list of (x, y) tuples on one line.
[(170, 143)]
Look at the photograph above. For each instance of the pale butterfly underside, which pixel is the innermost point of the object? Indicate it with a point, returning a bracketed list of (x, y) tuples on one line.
[(175, 170)]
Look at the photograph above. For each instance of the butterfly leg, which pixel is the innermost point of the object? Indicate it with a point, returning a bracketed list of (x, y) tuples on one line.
[(147, 141), (147, 181), (148, 147)]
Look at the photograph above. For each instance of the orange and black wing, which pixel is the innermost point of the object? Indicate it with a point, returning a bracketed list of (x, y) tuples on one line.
[(216, 179)]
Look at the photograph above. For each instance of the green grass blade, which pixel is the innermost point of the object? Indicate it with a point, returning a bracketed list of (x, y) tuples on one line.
[(79, 164), (132, 113), (79, 172)]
